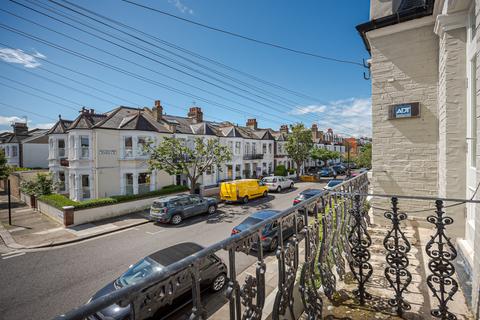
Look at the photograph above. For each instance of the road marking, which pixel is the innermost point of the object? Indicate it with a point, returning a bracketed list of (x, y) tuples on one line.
[(156, 232), (14, 255)]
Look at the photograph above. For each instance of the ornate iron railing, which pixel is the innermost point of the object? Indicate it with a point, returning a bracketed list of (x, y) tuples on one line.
[(335, 242)]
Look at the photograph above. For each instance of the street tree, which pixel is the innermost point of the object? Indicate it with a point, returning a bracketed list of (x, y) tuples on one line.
[(324, 155), (176, 157), (299, 145), (364, 158), (4, 167)]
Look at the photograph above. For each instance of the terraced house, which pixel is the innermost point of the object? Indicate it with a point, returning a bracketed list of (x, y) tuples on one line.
[(98, 155), (425, 92)]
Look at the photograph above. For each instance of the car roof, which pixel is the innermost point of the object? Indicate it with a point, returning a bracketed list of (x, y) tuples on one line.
[(264, 214), (311, 191), (335, 180), (171, 198), (175, 253)]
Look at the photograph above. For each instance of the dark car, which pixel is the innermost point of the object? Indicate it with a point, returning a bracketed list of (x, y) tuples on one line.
[(307, 194), (332, 183), (174, 209), (270, 231), (213, 275), (327, 172), (340, 169)]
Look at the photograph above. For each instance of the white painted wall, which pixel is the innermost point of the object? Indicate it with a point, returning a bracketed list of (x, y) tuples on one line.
[(35, 155)]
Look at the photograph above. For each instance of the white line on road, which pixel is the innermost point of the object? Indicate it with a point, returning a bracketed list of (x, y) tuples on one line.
[(156, 232), (14, 255)]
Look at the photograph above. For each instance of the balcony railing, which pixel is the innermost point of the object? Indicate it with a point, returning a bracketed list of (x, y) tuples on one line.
[(329, 251), (253, 156)]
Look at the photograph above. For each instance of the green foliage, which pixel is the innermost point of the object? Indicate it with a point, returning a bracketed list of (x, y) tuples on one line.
[(22, 169), (291, 171), (364, 158), (59, 201), (4, 168), (41, 185), (280, 170), (299, 144), (176, 157), (324, 154)]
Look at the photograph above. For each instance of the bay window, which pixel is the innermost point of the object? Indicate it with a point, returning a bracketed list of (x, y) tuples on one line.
[(85, 147), (128, 146)]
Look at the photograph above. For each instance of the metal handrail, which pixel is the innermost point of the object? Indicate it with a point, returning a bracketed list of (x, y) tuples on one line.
[(124, 294)]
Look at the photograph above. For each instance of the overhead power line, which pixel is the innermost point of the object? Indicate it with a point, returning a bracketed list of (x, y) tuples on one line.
[(237, 35), (195, 54), (103, 23)]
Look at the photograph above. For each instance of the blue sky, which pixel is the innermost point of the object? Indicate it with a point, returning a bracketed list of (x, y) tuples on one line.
[(338, 96)]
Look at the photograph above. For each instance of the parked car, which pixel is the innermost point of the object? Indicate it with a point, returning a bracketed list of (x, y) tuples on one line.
[(242, 190), (327, 172), (270, 231), (332, 183), (277, 183), (174, 209), (213, 275), (340, 169), (304, 195)]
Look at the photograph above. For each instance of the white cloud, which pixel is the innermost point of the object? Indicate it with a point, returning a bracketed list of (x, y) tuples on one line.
[(181, 7), (44, 125), (309, 109), (20, 57), (8, 120), (352, 116)]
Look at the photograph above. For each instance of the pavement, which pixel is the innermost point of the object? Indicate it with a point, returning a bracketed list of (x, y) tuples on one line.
[(44, 282), (31, 229)]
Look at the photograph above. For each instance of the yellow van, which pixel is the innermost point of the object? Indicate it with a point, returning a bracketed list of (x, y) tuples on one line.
[(242, 190)]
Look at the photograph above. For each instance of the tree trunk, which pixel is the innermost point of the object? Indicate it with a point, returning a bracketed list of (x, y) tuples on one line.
[(298, 170)]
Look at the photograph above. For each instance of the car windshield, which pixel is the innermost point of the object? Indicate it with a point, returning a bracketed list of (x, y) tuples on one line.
[(142, 269), (333, 183), (159, 204), (268, 180)]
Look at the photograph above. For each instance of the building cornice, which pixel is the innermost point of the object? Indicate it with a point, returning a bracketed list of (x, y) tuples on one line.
[(401, 27), (446, 22)]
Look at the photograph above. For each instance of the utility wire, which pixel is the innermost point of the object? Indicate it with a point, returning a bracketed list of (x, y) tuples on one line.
[(230, 33), (26, 111), (123, 71), (162, 63), (255, 88), (196, 55), (108, 52), (149, 69)]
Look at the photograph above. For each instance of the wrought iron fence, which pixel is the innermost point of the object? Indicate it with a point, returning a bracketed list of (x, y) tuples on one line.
[(336, 242)]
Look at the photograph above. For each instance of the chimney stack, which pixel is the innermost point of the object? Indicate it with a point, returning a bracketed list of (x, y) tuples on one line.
[(314, 131), (196, 114), (284, 128), (157, 111), (20, 128), (252, 124)]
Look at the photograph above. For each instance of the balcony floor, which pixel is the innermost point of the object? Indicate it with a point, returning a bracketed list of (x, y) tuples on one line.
[(418, 294)]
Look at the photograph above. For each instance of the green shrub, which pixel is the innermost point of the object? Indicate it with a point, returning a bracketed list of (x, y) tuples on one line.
[(59, 201), (280, 170), (21, 169), (291, 171)]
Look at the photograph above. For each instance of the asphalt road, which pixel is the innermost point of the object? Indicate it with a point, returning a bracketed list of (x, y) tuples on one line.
[(43, 283)]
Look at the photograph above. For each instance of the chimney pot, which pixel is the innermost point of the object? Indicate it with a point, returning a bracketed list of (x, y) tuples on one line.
[(157, 110), (252, 124), (196, 114)]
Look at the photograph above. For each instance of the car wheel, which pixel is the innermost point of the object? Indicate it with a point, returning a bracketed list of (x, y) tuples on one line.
[(273, 244), (245, 199), (279, 189), (219, 282), (265, 194), (176, 219), (211, 209), (291, 185)]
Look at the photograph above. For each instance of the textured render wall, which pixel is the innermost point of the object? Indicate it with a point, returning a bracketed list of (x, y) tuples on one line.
[(35, 155), (452, 147), (404, 156)]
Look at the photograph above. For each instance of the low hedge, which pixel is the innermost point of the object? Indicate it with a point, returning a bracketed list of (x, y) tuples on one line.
[(59, 201)]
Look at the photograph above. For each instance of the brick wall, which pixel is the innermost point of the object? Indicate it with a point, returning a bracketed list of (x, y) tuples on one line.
[(404, 157)]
